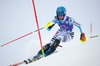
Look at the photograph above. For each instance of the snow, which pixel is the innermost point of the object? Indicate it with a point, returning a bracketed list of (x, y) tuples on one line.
[(73, 55), (17, 19)]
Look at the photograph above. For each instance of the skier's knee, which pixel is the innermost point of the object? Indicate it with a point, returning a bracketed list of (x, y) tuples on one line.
[(45, 48), (56, 43)]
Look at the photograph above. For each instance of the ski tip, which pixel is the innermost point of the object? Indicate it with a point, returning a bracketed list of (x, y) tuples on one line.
[(17, 64)]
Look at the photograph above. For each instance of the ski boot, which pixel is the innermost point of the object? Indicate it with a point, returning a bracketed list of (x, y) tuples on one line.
[(27, 61)]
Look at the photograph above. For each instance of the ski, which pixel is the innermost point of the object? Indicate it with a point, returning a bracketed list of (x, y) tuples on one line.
[(28, 61), (16, 64)]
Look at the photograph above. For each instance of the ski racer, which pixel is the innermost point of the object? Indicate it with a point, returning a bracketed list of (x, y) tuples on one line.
[(65, 32)]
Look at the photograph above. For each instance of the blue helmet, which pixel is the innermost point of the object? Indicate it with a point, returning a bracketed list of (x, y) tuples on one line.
[(61, 11)]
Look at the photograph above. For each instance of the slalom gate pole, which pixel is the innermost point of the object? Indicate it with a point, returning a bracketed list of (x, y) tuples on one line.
[(20, 37), (38, 26), (91, 32), (46, 26), (16, 39), (90, 29)]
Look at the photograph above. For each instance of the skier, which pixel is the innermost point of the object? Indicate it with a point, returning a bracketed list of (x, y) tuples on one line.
[(64, 34)]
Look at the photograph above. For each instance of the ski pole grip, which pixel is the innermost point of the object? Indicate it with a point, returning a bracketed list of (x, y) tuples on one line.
[(49, 24)]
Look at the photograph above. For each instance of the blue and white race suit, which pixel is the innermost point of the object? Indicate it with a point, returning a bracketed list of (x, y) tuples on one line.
[(65, 33)]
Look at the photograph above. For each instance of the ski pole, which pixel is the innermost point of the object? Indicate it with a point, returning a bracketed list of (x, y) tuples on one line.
[(95, 36), (89, 37), (46, 26)]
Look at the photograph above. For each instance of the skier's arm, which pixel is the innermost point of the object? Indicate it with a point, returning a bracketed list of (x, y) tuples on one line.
[(82, 35), (76, 24)]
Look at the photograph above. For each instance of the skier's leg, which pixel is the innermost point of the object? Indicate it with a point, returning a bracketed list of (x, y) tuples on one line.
[(45, 48), (67, 36), (39, 54), (52, 47), (37, 57), (55, 41)]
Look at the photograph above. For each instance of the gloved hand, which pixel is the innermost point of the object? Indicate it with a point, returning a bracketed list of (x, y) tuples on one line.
[(82, 37)]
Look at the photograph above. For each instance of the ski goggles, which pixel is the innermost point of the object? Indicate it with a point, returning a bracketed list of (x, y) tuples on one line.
[(60, 14)]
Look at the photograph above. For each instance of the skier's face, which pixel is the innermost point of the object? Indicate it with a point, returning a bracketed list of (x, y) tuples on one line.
[(60, 17)]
